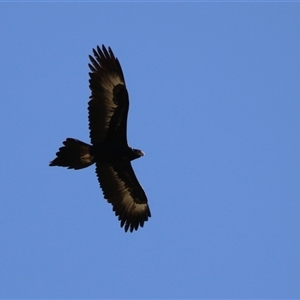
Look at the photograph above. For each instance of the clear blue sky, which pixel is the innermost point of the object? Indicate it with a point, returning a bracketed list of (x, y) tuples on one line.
[(215, 105)]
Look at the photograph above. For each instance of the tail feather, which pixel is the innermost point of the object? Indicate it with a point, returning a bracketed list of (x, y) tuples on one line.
[(73, 155)]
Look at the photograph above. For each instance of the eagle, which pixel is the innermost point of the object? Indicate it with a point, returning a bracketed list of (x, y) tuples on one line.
[(109, 151)]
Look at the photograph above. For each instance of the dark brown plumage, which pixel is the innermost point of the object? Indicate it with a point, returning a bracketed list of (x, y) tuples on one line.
[(108, 110)]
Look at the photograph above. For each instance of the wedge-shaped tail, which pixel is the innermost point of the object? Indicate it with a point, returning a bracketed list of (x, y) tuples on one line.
[(73, 155)]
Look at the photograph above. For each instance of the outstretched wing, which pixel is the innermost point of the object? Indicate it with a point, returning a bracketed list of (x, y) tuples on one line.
[(121, 188), (109, 103)]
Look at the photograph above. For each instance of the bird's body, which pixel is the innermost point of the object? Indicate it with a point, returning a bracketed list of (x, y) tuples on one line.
[(108, 110)]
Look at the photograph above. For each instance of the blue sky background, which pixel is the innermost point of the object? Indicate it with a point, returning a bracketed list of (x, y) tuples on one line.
[(215, 105)]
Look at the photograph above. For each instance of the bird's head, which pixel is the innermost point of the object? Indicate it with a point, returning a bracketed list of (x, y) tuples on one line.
[(138, 153)]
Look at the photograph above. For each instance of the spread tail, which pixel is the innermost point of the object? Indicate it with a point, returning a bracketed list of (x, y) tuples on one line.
[(73, 155)]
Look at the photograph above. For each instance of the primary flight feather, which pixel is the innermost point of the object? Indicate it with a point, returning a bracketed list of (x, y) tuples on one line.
[(108, 110)]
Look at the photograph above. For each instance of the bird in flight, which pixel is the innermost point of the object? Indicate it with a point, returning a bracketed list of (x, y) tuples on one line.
[(109, 150)]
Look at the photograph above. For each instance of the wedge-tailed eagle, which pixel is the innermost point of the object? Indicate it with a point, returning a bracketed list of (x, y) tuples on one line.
[(108, 110)]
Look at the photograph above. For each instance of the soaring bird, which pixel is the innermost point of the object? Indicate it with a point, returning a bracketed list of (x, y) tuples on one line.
[(107, 114)]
